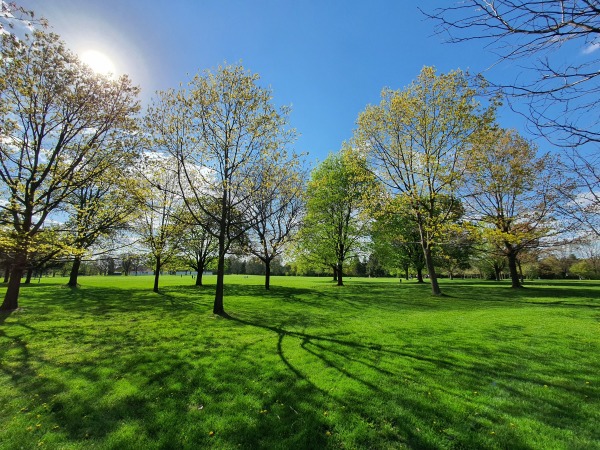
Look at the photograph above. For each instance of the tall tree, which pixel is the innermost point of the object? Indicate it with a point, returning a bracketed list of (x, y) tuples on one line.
[(509, 193), (219, 129), (59, 122), (416, 140), (557, 86), (335, 227)]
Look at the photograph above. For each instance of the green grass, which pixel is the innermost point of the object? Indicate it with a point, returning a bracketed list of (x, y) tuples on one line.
[(375, 364)]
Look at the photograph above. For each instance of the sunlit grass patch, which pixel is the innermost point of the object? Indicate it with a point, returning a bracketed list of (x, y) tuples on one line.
[(373, 364)]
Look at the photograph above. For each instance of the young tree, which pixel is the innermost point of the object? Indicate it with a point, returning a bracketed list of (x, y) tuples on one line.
[(160, 224), (396, 238), (416, 141), (276, 208), (59, 123), (509, 193), (199, 245), (219, 129), (97, 209), (334, 227)]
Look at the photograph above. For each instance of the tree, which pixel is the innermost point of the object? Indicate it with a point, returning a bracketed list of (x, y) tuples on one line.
[(396, 238), (160, 225), (562, 92), (584, 270), (131, 262), (509, 193), (581, 190), (99, 208), (219, 130), (276, 207), (59, 124), (591, 252), (455, 253), (490, 261), (374, 268), (200, 246), (335, 228), (416, 141), (558, 89)]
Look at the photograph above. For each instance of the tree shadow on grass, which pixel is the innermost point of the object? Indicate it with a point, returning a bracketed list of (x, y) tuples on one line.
[(265, 378), (570, 295), (510, 374), (4, 315)]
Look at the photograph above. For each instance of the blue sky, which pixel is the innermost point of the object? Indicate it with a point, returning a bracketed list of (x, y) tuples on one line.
[(328, 59)]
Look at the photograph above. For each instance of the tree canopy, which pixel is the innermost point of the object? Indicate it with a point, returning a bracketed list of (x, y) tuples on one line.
[(416, 141), (219, 129), (335, 227), (60, 123)]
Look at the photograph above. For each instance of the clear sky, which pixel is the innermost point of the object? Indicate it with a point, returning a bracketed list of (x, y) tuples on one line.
[(326, 58)]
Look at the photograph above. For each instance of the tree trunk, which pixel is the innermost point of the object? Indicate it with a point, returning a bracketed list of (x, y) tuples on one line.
[(435, 287), (340, 274), (267, 274), (11, 298), (6, 272), (406, 272), (29, 275), (156, 274), (218, 307), (511, 255), (420, 275), (199, 274), (497, 272), (521, 276), (335, 273), (74, 272)]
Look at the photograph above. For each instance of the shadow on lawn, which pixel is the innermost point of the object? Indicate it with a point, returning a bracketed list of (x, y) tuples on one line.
[(357, 295), (140, 377), (175, 396), (380, 371), (585, 296)]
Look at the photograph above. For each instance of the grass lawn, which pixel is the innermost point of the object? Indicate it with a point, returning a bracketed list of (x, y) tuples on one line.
[(376, 364)]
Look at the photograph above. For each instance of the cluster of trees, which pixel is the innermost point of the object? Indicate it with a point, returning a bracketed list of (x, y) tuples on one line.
[(429, 181), (204, 171)]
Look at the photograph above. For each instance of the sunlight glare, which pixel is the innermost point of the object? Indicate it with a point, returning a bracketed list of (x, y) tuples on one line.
[(98, 62)]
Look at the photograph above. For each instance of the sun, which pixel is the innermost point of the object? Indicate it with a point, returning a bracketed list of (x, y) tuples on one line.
[(98, 62)]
